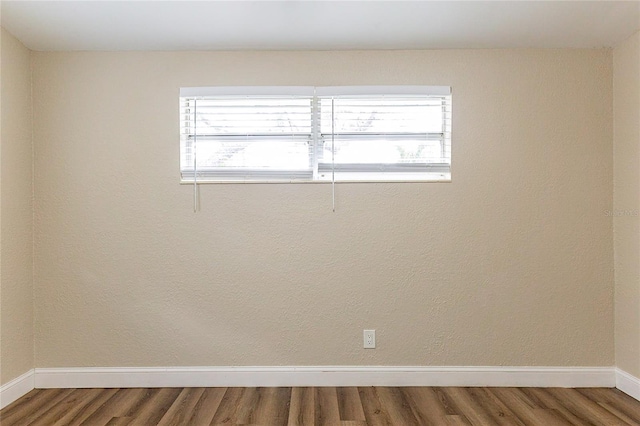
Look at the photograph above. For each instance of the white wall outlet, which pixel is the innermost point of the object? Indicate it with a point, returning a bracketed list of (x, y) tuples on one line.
[(369, 339)]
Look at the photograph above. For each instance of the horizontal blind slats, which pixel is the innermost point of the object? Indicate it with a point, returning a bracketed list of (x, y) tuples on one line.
[(246, 138), (270, 136), (401, 131)]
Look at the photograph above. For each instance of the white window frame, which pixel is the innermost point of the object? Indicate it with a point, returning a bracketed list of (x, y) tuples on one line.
[(323, 171)]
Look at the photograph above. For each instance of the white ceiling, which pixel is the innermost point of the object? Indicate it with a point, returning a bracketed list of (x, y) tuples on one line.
[(320, 25)]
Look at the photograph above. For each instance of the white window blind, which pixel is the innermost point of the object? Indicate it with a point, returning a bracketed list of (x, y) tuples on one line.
[(263, 136), (391, 137), (395, 133)]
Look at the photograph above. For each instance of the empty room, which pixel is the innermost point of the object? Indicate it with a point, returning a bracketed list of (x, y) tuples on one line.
[(320, 213)]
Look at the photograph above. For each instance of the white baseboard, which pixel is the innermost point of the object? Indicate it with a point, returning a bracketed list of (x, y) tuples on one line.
[(318, 376), (628, 383), (324, 376), (16, 388)]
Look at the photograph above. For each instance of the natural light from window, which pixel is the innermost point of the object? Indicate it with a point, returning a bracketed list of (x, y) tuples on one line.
[(306, 137)]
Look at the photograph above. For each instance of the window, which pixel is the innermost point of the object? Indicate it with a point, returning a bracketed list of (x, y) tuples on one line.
[(289, 134)]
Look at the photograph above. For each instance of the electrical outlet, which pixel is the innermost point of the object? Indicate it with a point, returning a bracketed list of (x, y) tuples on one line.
[(369, 339)]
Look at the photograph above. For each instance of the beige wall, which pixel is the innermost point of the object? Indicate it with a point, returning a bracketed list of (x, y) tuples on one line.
[(626, 83), (510, 264), (16, 221)]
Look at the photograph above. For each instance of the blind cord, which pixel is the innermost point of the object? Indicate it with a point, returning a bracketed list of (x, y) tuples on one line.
[(195, 156)]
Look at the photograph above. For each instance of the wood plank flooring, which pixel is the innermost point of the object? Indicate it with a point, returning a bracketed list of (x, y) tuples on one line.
[(343, 406)]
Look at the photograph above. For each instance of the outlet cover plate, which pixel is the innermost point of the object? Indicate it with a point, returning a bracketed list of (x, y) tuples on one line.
[(369, 339)]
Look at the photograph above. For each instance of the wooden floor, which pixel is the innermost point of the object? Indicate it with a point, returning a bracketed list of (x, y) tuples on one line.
[(323, 406)]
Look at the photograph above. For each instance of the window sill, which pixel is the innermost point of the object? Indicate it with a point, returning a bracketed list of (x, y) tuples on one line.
[(324, 181)]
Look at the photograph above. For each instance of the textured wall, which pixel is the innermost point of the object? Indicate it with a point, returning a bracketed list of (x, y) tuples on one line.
[(16, 221), (626, 84), (510, 264)]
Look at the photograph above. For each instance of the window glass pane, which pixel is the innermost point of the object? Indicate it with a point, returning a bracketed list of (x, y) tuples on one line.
[(383, 151), (251, 133), (270, 154), (383, 130)]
